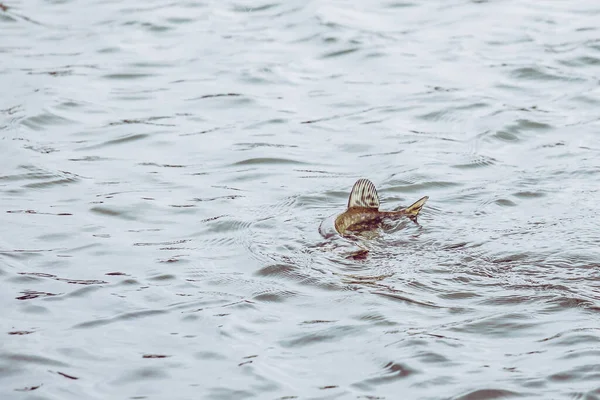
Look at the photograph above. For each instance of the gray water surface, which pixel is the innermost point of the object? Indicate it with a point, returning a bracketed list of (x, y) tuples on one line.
[(166, 168)]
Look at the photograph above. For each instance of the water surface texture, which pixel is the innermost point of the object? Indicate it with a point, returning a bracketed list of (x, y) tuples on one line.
[(166, 166)]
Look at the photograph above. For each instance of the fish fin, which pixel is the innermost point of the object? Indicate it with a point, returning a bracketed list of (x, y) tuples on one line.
[(364, 195), (414, 208)]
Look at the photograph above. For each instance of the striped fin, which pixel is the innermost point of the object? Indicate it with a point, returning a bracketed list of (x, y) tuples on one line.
[(416, 206), (364, 194)]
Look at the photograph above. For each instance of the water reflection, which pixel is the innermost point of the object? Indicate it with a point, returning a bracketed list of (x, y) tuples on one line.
[(171, 173)]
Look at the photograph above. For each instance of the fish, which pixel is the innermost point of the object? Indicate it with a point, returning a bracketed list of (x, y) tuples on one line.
[(363, 212)]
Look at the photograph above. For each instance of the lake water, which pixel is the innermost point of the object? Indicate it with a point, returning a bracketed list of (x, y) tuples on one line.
[(167, 166)]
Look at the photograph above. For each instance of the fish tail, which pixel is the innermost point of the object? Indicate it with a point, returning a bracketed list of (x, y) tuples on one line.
[(414, 208)]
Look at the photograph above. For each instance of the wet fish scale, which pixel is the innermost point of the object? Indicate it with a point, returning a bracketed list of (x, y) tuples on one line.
[(363, 209)]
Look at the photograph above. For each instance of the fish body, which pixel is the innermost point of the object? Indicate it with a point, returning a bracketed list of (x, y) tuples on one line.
[(363, 210)]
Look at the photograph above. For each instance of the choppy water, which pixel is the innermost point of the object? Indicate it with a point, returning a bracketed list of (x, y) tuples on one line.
[(166, 168)]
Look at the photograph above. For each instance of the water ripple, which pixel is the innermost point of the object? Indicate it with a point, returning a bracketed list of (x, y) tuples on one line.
[(171, 173)]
